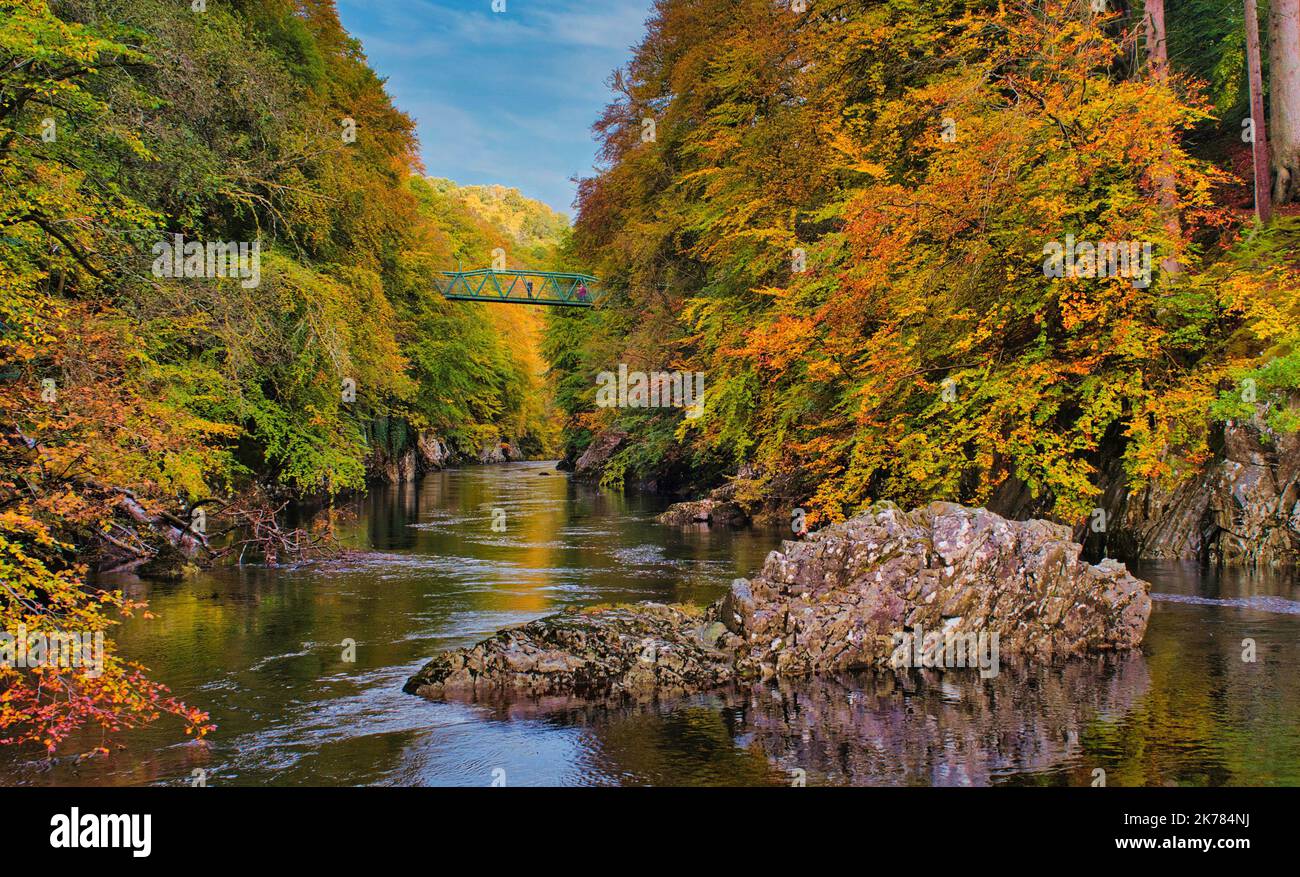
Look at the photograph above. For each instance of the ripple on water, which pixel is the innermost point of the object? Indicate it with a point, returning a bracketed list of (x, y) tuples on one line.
[(641, 555), (306, 650), (1279, 605)]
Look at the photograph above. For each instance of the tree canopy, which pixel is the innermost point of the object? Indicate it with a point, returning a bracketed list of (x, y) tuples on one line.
[(842, 217)]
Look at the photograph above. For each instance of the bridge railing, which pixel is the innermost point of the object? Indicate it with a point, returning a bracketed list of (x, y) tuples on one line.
[(520, 286)]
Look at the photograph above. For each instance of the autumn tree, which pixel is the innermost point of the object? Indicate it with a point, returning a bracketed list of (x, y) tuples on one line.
[(841, 218)]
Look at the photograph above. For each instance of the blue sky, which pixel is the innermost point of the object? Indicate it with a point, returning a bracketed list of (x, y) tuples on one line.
[(501, 97)]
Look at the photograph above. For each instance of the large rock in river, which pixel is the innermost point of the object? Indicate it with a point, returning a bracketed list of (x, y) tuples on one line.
[(842, 599), (846, 595), (591, 464)]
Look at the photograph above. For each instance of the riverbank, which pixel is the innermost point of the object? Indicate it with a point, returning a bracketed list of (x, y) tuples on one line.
[(1239, 507)]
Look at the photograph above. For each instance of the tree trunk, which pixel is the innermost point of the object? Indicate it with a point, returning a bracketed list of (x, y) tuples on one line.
[(1157, 48), (1284, 97), (183, 539), (1259, 143), (1165, 182)]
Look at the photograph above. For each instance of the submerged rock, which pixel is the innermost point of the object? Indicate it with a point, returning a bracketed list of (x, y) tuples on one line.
[(843, 599), (704, 511)]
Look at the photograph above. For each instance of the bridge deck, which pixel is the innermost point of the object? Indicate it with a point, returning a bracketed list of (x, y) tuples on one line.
[(520, 287)]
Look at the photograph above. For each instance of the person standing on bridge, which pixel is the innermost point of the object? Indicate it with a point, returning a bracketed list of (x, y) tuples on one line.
[(582, 291), (528, 285)]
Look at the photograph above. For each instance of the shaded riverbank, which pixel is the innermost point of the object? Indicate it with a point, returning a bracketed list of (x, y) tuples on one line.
[(261, 649)]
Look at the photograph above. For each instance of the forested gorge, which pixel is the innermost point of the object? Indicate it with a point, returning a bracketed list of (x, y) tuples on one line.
[(129, 400), (837, 212)]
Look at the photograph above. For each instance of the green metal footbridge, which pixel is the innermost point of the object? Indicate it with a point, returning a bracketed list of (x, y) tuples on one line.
[(520, 287)]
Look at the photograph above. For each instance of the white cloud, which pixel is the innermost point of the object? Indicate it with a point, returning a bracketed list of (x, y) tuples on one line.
[(504, 98)]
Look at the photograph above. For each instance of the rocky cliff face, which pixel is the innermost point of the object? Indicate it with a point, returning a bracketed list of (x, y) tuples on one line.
[(591, 464), (1241, 508), (499, 452), (429, 453), (876, 591)]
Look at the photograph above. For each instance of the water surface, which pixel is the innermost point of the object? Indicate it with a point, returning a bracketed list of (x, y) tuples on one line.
[(261, 649)]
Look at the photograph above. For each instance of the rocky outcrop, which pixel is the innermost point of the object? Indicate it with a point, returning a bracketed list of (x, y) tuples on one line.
[(704, 511), (592, 653), (749, 496), (1243, 507), (845, 598), (499, 452), (591, 464), (720, 507), (429, 453)]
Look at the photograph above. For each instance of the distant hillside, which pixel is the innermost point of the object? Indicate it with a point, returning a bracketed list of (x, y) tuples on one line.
[(527, 222)]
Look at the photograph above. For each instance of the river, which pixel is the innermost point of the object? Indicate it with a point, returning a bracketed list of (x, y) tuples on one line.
[(262, 650)]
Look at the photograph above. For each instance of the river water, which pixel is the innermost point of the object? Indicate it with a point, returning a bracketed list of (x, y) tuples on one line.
[(261, 649)]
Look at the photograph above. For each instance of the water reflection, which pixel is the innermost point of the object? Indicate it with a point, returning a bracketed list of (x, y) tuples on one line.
[(868, 729), (261, 649)]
